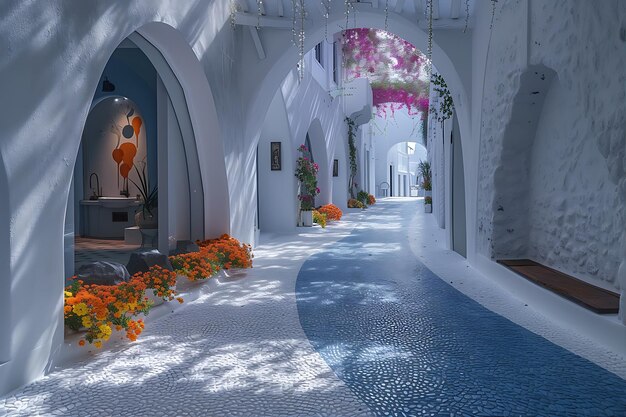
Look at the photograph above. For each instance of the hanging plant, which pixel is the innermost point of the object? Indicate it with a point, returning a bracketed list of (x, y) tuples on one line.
[(397, 71), (352, 149), (446, 105)]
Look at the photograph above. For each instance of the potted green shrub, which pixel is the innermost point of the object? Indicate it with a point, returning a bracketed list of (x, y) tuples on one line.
[(426, 174), (428, 204), (147, 216), (306, 173)]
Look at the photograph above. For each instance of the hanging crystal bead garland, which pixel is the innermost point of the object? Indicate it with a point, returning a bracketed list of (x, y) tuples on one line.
[(466, 15), (493, 12), (430, 35), (301, 40), (233, 12), (348, 6), (326, 15), (294, 20), (386, 14), (259, 6)]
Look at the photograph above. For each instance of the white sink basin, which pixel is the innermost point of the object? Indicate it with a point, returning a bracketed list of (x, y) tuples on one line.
[(112, 202)]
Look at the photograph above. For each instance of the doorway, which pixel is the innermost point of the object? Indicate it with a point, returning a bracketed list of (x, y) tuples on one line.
[(459, 232)]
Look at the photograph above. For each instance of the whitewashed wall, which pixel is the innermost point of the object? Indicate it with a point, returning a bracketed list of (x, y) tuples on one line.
[(300, 107), (575, 162), (230, 89)]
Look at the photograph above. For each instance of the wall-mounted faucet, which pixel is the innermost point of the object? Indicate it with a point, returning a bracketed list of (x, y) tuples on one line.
[(97, 193)]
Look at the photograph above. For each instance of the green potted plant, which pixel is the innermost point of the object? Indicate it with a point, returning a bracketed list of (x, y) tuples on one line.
[(306, 173), (426, 174), (147, 217), (363, 197), (428, 204)]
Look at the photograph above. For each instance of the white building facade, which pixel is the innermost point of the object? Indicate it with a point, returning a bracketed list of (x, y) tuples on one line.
[(531, 165)]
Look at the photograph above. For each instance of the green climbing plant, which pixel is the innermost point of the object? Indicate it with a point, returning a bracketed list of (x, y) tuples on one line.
[(446, 105), (352, 149)]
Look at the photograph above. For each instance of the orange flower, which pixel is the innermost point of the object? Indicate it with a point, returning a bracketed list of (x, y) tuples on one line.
[(332, 212)]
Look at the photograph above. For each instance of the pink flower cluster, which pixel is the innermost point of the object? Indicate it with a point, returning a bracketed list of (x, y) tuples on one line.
[(396, 69), (392, 99)]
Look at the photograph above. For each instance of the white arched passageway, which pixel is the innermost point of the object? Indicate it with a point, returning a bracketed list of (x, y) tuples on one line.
[(33, 337), (450, 56)]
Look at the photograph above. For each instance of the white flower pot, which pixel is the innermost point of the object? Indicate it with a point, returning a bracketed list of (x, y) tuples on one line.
[(428, 193), (428, 208), (307, 218)]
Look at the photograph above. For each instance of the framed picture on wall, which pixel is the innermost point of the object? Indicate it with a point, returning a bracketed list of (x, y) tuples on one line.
[(275, 154), (335, 167)]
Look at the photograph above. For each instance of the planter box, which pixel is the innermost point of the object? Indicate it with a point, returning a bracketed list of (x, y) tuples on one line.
[(428, 208), (428, 193), (306, 217)]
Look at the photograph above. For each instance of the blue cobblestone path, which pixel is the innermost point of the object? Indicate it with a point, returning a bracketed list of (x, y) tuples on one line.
[(408, 344)]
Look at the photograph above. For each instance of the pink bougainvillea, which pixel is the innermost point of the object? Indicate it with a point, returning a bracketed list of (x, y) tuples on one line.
[(396, 69)]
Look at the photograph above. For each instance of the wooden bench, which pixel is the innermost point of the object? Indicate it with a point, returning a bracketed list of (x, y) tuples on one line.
[(587, 295)]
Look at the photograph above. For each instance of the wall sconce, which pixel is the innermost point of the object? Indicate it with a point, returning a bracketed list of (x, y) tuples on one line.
[(107, 86)]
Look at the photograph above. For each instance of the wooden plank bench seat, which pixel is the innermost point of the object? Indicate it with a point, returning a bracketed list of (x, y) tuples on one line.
[(587, 295)]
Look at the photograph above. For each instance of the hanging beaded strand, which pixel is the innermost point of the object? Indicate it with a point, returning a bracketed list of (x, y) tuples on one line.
[(294, 20), (326, 15), (233, 12), (301, 40), (386, 14), (466, 15), (493, 12), (430, 35), (259, 6)]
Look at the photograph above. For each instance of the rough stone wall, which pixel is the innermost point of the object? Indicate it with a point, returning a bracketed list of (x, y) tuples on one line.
[(502, 76), (574, 207), (585, 42)]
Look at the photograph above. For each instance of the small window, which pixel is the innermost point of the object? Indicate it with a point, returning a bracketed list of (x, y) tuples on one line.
[(318, 53), (335, 69)]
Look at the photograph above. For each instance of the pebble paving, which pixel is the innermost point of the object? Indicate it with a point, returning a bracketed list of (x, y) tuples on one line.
[(237, 350), (363, 329), (408, 344)]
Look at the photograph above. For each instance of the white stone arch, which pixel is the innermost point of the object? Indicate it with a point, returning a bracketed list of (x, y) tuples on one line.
[(40, 185), (202, 113), (284, 58)]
